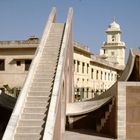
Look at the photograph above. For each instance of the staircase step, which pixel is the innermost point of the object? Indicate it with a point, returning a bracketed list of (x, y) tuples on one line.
[(38, 99), (50, 63), (43, 80), (47, 68), (29, 129), (49, 71), (27, 136), (44, 64), (51, 49), (42, 84), (49, 77), (44, 75), (33, 116), (54, 60), (46, 50), (47, 64), (24, 122), (42, 89), (40, 92), (55, 34), (34, 104), (54, 37), (49, 58), (52, 40), (34, 110), (50, 55), (54, 44)]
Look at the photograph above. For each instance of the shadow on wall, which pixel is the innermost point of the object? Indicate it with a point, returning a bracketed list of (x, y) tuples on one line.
[(88, 122), (4, 118)]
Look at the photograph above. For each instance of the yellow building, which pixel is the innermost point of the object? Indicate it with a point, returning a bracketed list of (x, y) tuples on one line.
[(92, 74)]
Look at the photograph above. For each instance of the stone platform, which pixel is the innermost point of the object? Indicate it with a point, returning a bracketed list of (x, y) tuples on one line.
[(79, 135)]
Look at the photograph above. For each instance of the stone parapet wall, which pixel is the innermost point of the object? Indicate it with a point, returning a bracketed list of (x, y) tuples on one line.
[(128, 110)]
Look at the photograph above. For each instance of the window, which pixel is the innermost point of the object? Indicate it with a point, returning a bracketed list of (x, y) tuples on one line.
[(112, 76), (78, 63), (87, 68), (101, 75), (108, 76), (77, 79), (2, 64), (83, 65), (97, 72), (105, 75), (18, 63), (78, 91), (113, 38), (74, 64), (104, 51), (27, 64), (92, 73), (87, 92)]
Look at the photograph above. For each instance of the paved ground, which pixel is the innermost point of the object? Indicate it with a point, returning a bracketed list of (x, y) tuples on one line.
[(69, 135)]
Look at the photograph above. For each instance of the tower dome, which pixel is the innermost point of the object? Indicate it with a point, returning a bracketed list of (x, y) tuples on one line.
[(114, 26)]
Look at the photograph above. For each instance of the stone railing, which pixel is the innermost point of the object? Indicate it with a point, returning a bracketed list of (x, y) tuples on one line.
[(62, 88), (106, 63), (117, 44), (81, 46), (29, 41)]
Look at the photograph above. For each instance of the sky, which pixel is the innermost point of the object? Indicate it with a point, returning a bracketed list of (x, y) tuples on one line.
[(20, 19)]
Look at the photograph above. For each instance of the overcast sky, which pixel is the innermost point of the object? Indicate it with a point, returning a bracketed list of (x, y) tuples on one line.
[(20, 19)]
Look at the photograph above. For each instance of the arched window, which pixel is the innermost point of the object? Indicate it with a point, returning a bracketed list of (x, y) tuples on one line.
[(113, 38)]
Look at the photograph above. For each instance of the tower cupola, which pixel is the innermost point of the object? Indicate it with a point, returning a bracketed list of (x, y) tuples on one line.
[(113, 48), (113, 27)]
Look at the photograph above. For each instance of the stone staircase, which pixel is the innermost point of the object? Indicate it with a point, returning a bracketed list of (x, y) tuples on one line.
[(32, 120), (103, 120)]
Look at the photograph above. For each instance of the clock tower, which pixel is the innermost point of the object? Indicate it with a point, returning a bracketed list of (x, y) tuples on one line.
[(114, 49)]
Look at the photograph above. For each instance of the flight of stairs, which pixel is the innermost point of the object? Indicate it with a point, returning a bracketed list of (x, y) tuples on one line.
[(32, 120), (103, 120)]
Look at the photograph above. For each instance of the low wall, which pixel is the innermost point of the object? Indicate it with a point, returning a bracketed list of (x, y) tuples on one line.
[(128, 110)]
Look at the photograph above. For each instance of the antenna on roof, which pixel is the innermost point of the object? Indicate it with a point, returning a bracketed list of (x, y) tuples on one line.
[(114, 18)]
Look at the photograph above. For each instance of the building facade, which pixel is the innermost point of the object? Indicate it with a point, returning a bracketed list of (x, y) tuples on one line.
[(92, 74), (15, 59)]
